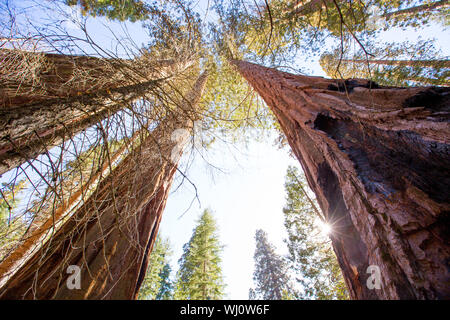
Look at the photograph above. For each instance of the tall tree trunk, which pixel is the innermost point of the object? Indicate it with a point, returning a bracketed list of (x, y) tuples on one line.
[(308, 7), (110, 236), (27, 132), (417, 9), (31, 77), (409, 63), (376, 158), (78, 92)]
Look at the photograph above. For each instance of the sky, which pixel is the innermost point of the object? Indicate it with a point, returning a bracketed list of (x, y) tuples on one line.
[(246, 194), (249, 195)]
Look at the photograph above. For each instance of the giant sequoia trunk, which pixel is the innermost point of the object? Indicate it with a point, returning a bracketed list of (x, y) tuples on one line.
[(111, 235), (307, 7), (64, 95), (31, 77), (29, 131), (377, 159)]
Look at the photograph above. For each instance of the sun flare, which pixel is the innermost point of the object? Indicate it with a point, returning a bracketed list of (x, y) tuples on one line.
[(325, 228)]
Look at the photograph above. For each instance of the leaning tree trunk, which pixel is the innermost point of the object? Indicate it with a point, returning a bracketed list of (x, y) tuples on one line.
[(31, 77), (417, 9), (409, 63), (77, 93), (309, 7), (111, 235), (377, 159)]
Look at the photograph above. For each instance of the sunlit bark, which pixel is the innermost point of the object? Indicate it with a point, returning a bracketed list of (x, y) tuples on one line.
[(73, 93)]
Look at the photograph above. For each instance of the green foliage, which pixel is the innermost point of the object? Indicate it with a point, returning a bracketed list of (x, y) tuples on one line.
[(122, 10), (410, 13), (276, 32), (157, 284), (200, 274), (385, 67), (11, 227), (166, 284), (260, 33), (310, 252), (233, 108), (271, 277)]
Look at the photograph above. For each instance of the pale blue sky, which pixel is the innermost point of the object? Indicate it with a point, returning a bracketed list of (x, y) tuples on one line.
[(248, 196)]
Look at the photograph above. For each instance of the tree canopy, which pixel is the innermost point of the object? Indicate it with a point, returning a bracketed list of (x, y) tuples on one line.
[(271, 277)]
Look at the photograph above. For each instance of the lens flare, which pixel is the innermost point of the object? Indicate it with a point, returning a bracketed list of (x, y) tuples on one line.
[(325, 228)]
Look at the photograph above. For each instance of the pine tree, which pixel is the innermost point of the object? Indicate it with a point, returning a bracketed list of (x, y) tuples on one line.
[(11, 227), (200, 274), (157, 284), (166, 287), (271, 277), (310, 252)]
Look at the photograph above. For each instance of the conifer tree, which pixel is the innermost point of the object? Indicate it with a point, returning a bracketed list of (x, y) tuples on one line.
[(394, 64), (157, 284), (11, 227), (270, 276), (166, 287), (200, 274)]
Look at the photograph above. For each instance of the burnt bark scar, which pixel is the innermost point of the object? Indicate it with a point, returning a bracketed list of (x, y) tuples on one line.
[(349, 84), (386, 160), (434, 98)]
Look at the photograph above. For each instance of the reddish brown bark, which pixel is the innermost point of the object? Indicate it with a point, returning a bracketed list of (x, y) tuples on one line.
[(29, 131), (32, 77), (308, 7), (77, 92), (111, 235), (377, 159)]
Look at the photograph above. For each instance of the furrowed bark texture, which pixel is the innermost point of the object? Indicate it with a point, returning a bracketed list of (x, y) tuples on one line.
[(377, 159), (27, 132), (112, 234), (32, 77), (76, 92)]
